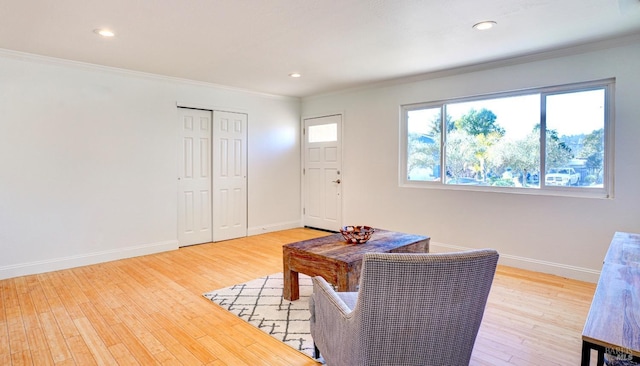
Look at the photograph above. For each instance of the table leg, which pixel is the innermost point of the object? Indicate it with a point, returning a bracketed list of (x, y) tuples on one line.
[(600, 357), (343, 279), (353, 280), (343, 283), (586, 354), (291, 289)]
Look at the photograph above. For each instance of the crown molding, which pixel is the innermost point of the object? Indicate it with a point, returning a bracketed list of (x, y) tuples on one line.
[(49, 60)]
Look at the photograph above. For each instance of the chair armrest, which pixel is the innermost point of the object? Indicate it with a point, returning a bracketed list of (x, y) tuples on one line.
[(333, 324), (323, 288)]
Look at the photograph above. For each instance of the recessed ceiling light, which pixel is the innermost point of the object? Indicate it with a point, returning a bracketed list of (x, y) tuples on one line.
[(485, 25), (295, 75), (104, 32)]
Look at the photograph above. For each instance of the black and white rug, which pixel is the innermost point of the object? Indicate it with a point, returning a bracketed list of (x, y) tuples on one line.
[(260, 303)]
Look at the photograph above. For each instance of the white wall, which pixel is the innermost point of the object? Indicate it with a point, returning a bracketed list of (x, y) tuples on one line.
[(88, 161), (561, 235)]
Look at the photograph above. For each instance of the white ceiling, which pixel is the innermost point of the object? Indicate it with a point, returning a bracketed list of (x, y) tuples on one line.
[(335, 44)]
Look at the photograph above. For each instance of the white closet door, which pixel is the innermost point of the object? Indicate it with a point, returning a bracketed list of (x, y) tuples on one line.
[(229, 175), (194, 177)]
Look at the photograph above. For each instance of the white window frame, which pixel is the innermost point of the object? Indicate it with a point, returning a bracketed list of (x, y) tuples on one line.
[(607, 191)]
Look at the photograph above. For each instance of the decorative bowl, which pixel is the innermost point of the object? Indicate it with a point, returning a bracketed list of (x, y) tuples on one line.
[(356, 234)]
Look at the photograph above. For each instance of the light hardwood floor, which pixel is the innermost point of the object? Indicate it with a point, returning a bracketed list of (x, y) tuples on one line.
[(150, 310)]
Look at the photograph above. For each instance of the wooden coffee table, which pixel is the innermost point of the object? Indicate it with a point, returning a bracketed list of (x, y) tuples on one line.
[(338, 262)]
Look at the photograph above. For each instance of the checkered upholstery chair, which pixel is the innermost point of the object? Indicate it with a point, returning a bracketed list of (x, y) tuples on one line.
[(411, 309)]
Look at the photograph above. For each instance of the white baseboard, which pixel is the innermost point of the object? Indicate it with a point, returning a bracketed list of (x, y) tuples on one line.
[(558, 269), (24, 269), (275, 227), (55, 264)]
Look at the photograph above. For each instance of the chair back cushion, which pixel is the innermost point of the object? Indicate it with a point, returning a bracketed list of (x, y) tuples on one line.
[(422, 309)]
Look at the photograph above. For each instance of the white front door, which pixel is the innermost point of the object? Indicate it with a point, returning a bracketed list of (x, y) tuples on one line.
[(322, 172), (194, 177), (229, 175)]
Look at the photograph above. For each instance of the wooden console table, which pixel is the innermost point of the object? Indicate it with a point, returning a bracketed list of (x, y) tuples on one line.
[(338, 262), (613, 323)]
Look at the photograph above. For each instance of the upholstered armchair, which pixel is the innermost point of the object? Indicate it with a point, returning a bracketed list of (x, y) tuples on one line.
[(410, 309)]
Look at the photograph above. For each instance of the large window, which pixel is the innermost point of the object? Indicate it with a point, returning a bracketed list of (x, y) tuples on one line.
[(554, 140)]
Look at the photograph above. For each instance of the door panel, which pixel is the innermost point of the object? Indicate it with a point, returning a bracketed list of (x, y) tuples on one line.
[(313, 180), (331, 195), (322, 172), (194, 198)]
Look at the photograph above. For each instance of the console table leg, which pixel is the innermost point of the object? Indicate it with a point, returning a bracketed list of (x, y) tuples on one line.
[(586, 354), (600, 358)]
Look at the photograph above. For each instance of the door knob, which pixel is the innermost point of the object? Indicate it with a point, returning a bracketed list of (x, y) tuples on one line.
[(336, 181)]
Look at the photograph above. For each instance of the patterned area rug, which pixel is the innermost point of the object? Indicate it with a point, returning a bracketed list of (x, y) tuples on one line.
[(260, 303)]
